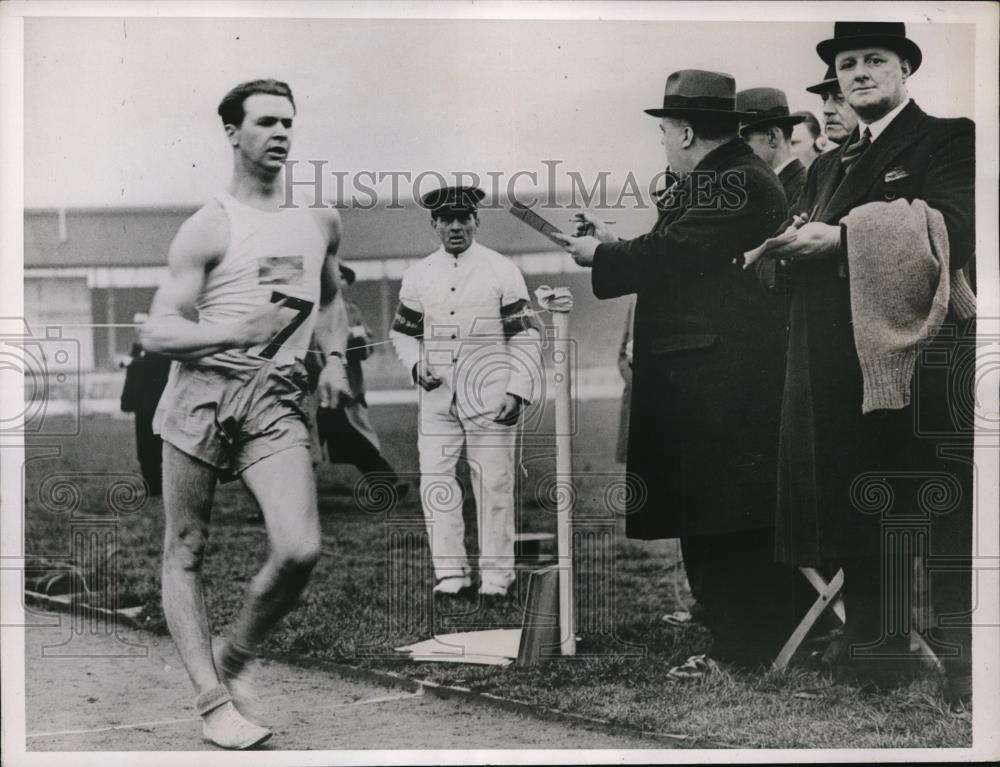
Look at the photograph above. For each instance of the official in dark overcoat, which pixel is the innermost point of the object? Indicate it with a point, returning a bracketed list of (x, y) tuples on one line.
[(707, 369), (145, 379)]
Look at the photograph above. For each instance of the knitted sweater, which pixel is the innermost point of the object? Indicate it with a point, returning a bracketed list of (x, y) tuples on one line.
[(901, 288)]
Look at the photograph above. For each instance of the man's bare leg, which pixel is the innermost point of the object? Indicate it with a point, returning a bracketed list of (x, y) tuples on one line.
[(284, 486), (188, 491)]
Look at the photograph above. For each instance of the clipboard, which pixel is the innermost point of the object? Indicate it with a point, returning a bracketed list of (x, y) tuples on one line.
[(536, 222)]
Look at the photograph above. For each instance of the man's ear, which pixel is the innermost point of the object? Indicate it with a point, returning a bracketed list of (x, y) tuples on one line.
[(773, 136), (820, 143), (231, 134), (688, 139), (904, 64)]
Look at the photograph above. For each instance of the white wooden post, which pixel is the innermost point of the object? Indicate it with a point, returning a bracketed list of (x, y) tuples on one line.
[(564, 475)]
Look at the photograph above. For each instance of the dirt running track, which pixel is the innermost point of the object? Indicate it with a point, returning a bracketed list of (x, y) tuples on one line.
[(97, 693)]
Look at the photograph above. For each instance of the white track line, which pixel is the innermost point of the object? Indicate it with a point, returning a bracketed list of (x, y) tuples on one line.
[(162, 722), (111, 728)]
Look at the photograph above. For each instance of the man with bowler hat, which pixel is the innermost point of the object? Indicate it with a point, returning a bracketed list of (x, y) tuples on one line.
[(464, 330), (707, 362), (876, 432), (768, 131), (839, 120)]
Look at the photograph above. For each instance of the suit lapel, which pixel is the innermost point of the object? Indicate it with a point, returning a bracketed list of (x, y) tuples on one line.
[(853, 187), (828, 178)]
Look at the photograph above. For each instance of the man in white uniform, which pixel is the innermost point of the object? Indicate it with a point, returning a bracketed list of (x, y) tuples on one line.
[(467, 335), (247, 276)]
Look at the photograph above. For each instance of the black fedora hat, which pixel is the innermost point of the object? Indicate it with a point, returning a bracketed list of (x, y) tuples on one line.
[(829, 83), (848, 35), (461, 199), (698, 91), (766, 106)]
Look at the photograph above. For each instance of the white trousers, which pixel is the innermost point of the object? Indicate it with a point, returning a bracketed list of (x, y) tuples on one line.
[(444, 428)]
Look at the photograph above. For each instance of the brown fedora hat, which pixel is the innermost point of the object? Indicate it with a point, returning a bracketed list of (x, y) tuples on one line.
[(828, 83), (698, 91), (766, 106), (848, 35)]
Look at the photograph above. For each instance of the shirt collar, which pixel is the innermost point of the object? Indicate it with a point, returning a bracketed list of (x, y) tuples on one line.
[(784, 165), (882, 123), (445, 254)]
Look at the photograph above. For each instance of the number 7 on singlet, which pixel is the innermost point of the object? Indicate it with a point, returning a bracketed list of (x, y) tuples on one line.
[(303, 309)]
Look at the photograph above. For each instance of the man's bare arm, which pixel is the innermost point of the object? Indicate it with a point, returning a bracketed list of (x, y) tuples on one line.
[(171, 328), (331, 321), (332, 325)]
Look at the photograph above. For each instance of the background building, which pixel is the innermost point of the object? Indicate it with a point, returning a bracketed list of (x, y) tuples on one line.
[(89, 270)]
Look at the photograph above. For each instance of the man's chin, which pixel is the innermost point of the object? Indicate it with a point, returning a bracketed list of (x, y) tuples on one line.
[(271, 166), (870, 105), (836, 133)]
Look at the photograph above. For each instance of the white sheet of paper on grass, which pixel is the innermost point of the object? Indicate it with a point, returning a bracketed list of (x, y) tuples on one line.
[(493, 647)]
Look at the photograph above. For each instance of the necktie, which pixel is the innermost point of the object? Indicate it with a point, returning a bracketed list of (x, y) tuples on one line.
[(855, 150)]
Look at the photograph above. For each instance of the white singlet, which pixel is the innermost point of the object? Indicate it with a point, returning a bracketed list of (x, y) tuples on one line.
[(271, 255)]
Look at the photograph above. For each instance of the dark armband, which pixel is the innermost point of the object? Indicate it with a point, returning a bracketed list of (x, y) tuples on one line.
[(408, 322), (517, 318)]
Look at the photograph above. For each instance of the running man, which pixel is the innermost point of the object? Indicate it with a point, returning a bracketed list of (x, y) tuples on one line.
[(249, 280)]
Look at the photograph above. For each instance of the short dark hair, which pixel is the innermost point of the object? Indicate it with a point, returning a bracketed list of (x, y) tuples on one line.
[(712, 127), (231, 106), (810, 122)]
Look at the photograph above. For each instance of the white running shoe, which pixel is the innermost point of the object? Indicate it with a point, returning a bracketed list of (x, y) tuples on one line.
[(224, 726)]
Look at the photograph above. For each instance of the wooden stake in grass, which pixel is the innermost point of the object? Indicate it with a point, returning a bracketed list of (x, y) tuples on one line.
[(559, 301)]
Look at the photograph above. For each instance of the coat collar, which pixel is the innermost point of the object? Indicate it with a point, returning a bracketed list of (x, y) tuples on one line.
[(851, 189), (724, 154), (722, 157)]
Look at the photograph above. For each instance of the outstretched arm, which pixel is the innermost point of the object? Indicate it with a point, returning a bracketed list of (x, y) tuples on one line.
[(172, 328)]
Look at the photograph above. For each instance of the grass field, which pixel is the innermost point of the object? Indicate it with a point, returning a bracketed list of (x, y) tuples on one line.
[(369, 593)]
